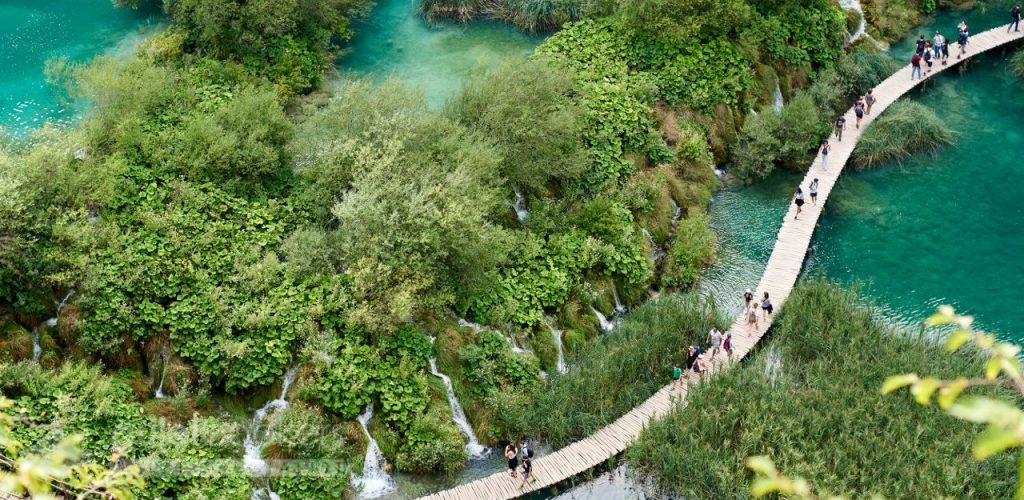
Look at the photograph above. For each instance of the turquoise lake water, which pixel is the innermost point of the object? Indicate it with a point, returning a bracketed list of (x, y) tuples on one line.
[(32, 32), (396, 41)]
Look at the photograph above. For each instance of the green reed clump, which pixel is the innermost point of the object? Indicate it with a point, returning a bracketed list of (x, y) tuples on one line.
[(907, 127), (612, 374), (530, 15), (811, 401)]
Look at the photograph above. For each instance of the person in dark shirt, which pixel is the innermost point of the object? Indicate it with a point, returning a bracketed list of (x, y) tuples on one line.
[(915, 66), (840, 126), (691, 357), (1014, 18), (920, 45)]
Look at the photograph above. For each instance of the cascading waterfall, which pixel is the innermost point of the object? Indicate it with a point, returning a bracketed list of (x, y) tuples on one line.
[(777, 101), (519, 206), (619, 308), (375, 480), (512, 340), (606, 326), (253, 458), (165, 356), (677, 213), (861, 30), (37, 346), (476, 327), (560, 364), (475, 449), (656, 253)]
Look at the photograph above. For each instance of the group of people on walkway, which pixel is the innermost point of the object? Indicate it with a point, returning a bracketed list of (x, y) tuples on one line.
[(937, 49), (524, 453), (698, 361)]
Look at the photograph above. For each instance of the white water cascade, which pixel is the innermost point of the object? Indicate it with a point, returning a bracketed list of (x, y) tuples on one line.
[(375, 480), (677, 213), (777, 101), (253, 459), (519, 206), (37, 336), (606, 326), (656, 253), (861, 30), (619, 308), (475, 449), (560, 365), (37, 346), (512, 340), (165, 356)]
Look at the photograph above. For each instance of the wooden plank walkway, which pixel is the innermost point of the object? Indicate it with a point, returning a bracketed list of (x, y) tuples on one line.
[(778, 280)]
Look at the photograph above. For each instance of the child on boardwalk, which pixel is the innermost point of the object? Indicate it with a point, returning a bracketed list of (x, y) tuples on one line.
[(677, 373)]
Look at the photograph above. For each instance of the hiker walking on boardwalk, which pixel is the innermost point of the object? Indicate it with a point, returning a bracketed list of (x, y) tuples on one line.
[(824, 154), (869, 100), (748, 297), (752, 319), (920, 45), (766, 306), (715, 342), (928, 58), (962, 39), (915, 67), (798, 200), (813, 188), (945, 50), (727, 345), (677, 373), (1014, 18), (858, 110), (937, 42), (527, 471), (512, 456), (840, 126)]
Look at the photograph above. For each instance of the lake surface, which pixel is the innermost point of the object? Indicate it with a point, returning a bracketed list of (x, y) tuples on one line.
[(395, 41), (32, 32)]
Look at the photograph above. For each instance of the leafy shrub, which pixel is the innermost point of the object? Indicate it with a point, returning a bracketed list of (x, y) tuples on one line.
[(785, 137), (821, 374), (905, 128), (490, 364), (695, 248)]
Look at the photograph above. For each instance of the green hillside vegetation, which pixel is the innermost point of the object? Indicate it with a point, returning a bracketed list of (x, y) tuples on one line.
[(811, 401)]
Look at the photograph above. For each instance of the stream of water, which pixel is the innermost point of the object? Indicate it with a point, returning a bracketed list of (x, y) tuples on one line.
[(375, 481), (255, 435)]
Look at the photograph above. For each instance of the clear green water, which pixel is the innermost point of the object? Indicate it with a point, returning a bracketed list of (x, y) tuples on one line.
[(944, 228), (31, 32), (396, 41)]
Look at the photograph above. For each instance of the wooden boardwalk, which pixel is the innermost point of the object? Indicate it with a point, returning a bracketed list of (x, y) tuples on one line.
[(778, 280)]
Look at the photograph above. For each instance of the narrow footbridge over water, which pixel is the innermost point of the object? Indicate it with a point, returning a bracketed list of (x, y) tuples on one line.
[(778, 280)]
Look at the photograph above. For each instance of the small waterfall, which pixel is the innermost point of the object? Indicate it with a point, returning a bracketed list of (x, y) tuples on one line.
[(677, 213), (520, 207), (619, 308), (512, 340), (606, 326), (375, 480), (656, 253), (861, 30), (777, 102), (253, 458), (476, 327), (718, 172), (560, 365), (37, 346), (60, 305), (165, 356), (475, 449)]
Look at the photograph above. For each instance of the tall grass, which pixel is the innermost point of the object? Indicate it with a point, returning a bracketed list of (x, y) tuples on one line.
[(907, 127), (814, 406), (612, 374), (530, 15)]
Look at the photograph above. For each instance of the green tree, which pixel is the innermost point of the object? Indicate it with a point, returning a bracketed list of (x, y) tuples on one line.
[(525, 109)]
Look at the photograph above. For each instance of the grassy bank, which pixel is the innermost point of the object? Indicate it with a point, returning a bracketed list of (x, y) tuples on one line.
[(906, 128), (620, 370), (812, 403)]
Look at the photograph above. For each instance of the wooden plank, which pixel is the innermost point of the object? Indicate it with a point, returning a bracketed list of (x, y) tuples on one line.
[(779, 278)]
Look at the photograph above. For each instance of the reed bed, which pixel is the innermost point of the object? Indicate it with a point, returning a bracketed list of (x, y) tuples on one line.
[(907, 127), (812, 402)]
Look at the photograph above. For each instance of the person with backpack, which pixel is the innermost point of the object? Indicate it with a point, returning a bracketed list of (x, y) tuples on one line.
[(824, 154), (869, 100), (527, 471), (915, 67), (840, 126), (858, 111), (962, 40), (1014, 18), (928, 58), (691, 357), (813, 188), (766, 306)]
